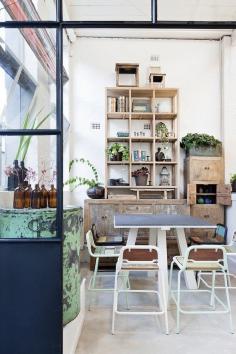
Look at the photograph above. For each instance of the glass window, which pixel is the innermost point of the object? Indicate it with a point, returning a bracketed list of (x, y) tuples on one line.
[(27, 10), (107, 10), (196, 10), (28, 78)]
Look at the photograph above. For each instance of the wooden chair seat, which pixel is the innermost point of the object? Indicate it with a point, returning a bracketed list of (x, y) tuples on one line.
[(198, 265)]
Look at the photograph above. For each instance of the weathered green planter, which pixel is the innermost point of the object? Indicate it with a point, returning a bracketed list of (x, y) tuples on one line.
[(29, 223)]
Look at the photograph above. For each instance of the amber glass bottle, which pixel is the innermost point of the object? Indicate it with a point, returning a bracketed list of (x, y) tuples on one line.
[(43, 197), (19, 197), (52, 197), (28, 192), (35, 197)]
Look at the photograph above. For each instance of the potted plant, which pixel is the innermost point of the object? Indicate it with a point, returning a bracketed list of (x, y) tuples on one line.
[(233, 182), (118, 152), (162, 132), (141, 176), (201, 145), (95, 190)]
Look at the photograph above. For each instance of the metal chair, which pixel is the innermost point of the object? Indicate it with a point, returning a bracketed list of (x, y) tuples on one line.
[(219, 237), (211, 258), (106, 240), (98, 252), (139, 258), (231, 252)]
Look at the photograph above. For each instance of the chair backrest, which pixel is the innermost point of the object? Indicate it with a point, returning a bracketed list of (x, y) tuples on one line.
[(141, 255), (206, 253), (94, 232), (90, 243), (221, 233)]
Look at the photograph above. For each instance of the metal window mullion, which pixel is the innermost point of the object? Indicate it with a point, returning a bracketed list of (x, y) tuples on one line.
[(154, 11)]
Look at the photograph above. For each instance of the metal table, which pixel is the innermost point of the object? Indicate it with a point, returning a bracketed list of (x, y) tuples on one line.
[(158, 225)]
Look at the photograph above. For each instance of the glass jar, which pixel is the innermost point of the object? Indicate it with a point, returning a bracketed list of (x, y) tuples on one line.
[(28, 192), (52, 197), (44, 197), (19, 197), (35, 197)]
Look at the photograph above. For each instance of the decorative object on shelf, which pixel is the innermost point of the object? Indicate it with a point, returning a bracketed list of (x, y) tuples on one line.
[(142, 105), (95, 191), (164, 177), (156, 78), (201, 145), (52, 197), (44, 197), (121, 104), (200, 200), (208, 200), (117, 182), (159, 155), (143, 155), (23, 174), (148, 158), (233, 182), (13, 174), (35, 197), (28, 191), (141, 176), (122, 134), (19, 197), (129, 72), (162, 132), (136, 155), (118, 152), (171, 135), (111, 104)]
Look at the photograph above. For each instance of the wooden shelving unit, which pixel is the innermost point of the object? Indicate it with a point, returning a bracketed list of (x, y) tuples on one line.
[(166, 99)]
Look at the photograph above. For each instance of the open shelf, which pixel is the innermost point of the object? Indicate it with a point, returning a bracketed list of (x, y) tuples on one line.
[(161, 105), (142, 162), (111, 139), (118, 115), (166, 162), (165, 116)]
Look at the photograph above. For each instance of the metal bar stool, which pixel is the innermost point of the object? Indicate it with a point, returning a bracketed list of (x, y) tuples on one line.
[(98, 252), (231, 252), (211, 258), (139, 258)]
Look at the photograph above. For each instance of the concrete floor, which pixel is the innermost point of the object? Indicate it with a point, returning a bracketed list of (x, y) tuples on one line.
[(205, 334)]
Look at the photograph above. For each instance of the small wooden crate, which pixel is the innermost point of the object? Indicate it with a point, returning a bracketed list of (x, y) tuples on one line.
[(127, 69)]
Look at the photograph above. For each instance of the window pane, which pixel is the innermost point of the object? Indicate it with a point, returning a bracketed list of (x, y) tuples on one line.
[(28, 78), (196, 10), (27, 10), (32, 213), (106, 10)]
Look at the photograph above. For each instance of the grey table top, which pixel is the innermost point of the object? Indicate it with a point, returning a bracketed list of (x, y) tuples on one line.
[(159, 221)]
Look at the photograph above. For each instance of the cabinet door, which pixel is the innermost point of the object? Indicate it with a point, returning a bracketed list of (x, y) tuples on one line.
[(205, 170), (211, 213), (103, 217), (191, 194), (224, 194)]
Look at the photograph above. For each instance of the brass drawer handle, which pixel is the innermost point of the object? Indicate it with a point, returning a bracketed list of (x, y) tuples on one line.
[(206, 216)]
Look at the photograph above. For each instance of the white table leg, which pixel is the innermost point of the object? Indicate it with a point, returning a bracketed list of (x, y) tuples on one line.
[(132, 236), (162, 258), (152, 237), (189, 275)]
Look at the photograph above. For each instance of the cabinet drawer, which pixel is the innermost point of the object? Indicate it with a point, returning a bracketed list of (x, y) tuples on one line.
[(138, 209), (212, 213), (205, 169)]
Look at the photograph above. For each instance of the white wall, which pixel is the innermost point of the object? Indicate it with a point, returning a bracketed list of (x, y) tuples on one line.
[(193, 66)]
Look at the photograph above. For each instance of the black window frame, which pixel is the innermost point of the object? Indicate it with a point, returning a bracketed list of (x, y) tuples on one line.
[(59, 25)]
